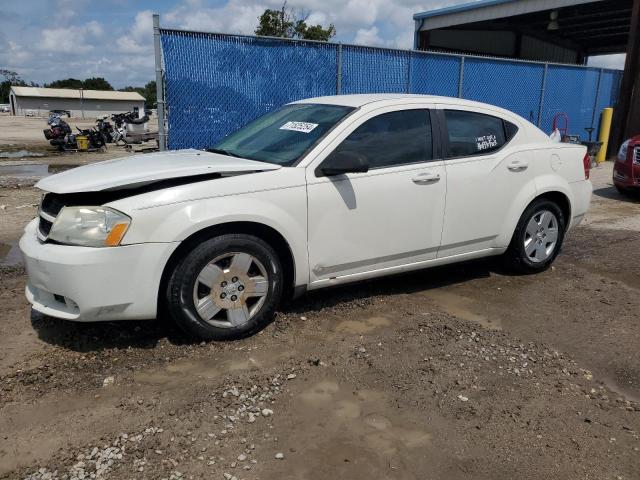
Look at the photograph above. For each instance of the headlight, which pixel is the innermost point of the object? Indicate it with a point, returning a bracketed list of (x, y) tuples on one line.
[(622, 153), (89, 226)]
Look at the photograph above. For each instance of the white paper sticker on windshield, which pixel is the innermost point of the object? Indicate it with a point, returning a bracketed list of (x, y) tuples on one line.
[(303, 127), (486, 142)]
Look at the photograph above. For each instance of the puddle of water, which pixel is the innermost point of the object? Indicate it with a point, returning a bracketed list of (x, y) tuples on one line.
[(10, 255), (461, 307), (362, 326), (358, 415), (32, 170), (20, 154)]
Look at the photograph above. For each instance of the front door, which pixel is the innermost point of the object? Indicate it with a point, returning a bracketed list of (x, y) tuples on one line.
[(390, 216)]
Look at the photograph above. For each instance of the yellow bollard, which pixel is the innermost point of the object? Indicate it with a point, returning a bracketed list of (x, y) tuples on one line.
[(603, 135)]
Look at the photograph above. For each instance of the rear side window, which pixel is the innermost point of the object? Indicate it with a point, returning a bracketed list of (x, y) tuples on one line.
[(472, 133), (510, 129), (393, 138)]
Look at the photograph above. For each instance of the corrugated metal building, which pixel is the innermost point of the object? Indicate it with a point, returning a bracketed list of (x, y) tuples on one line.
[(562, 31), (80, 103), (550, 31)]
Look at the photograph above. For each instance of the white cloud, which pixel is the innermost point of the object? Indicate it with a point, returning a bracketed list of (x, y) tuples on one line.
[(139, 37), (119, 45), (73, 39), (368, 36), (234, 17)]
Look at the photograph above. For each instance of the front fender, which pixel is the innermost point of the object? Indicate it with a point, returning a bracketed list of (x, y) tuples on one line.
[(283, 210)]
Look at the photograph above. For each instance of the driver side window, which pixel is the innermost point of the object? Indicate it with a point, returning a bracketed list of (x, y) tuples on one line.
[(390, 139)]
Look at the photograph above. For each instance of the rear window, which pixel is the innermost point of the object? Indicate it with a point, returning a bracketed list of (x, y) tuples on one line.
[(472, 133)]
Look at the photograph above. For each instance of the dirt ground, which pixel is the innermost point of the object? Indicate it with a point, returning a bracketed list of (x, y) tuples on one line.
[(460, 372)]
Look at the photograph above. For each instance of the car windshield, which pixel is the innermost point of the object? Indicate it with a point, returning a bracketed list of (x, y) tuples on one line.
[(284, 135)]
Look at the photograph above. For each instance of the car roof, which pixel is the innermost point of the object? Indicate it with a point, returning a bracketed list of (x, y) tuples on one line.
[(359, 100), (385, 99)]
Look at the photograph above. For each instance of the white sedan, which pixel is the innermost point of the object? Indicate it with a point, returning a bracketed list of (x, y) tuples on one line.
[(320, 192)]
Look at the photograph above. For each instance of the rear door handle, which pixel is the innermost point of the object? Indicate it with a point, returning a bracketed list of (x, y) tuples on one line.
[(426, 178), (518, 166)]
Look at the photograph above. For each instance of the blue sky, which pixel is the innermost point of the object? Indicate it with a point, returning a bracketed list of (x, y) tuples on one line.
[(48, 40)]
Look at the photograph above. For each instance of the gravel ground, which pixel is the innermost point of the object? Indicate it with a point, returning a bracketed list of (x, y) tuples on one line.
[(460, 372)]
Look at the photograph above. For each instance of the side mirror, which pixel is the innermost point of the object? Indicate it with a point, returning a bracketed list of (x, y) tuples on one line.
[(339, 163)]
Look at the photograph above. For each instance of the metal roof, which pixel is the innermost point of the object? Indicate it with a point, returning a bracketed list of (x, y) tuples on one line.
[(458, 8), (482, 10), (73, 93), (590, 27)]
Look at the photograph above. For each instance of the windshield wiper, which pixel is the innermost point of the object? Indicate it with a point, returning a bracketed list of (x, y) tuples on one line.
[(222, 152)]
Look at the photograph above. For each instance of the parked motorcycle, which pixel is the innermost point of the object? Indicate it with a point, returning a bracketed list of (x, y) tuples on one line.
[(105, 128), (61, 136), (59, 128)]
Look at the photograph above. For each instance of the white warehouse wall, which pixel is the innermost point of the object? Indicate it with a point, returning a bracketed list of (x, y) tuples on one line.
[(40, 106)]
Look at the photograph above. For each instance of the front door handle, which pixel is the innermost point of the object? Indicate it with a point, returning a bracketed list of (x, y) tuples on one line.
[(426, 178), (518, 166)]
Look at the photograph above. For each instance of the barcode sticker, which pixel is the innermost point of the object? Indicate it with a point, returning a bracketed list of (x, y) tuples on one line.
[(303, 127)]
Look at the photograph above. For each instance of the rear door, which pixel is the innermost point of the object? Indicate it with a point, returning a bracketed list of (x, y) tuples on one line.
[(388, 216), (487, 170)]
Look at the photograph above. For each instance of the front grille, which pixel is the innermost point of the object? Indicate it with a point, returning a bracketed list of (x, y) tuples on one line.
[(636, 155), (44, 227), (52, 204), (49, 209)]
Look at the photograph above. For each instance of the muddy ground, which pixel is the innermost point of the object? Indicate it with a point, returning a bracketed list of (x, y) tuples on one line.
[(461, 372)]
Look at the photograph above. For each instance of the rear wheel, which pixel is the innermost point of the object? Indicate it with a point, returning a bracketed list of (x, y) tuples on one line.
[(538, 237), (226, 288)]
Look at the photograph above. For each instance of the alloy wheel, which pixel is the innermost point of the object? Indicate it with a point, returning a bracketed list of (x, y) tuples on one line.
[(230, 289), (541, 236)]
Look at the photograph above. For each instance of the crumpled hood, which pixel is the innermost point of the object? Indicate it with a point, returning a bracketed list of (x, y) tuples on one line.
[(140, 170)]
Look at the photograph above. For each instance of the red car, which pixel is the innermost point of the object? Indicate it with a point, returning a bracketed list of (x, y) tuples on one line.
[(626, 169)]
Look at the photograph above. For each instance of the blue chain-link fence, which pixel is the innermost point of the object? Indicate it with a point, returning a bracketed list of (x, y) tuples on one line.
[(215, 83)]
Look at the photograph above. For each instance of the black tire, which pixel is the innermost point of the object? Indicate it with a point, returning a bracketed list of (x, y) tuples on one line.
[(516, 257), (180, 291), (624, 191)]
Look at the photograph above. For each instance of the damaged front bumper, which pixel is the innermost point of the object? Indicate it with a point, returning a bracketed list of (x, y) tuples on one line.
[(93, 284)]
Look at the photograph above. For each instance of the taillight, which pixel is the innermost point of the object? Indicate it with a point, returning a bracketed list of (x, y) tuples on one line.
[(586, 161)]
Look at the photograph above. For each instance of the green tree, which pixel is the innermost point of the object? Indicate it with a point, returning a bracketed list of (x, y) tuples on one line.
[(148, 92), (11, 78), (66, 83), (96, 83), (284, 23)]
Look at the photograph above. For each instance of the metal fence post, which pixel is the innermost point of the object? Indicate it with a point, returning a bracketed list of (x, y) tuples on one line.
[(339, 72), (542, 87), (162, 140), (409, 72), (461, 77), (596, 99)]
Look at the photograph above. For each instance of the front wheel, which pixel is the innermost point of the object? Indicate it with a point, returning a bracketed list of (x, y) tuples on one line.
[(538, 237), (227, 287)]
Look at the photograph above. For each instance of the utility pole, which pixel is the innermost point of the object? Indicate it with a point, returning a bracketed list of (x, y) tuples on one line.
[(162, 142), (82, 101)]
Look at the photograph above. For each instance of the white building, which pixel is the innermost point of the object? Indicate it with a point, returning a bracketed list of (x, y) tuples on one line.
[(80, 103)]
